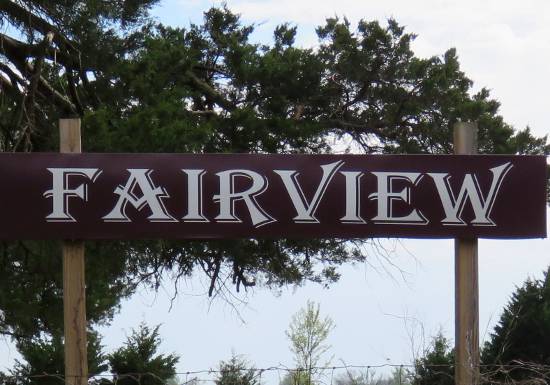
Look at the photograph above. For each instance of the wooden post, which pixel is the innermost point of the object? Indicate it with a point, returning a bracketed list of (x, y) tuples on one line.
[(74, 289), (466, 282)]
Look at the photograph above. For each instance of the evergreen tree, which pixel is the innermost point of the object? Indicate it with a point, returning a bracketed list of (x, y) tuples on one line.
[(138, 363), (436, 367), (236, 371), (44, 360), (522, 335)]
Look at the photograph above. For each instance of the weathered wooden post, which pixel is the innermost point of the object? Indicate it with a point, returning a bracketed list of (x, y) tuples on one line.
[(466, 281), (74, 289)]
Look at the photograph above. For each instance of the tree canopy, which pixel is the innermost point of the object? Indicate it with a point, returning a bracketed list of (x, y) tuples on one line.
[(210, 88), (141, 86), (522, 334)]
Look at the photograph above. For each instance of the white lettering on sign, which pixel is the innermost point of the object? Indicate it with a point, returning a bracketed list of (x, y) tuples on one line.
[(151, 196), (470, 190), (304, 209), (228, 197), (393, 192), (386, 197), (60, 192), (353, 193), (194, 196)]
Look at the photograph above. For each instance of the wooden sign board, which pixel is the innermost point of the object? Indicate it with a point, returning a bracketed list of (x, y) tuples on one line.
[(183, 196)]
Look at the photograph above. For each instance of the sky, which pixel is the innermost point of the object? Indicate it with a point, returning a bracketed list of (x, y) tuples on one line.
[(387, 309)]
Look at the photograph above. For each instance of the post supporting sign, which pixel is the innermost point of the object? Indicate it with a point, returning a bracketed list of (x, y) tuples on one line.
[(74, 286), (466, 282)]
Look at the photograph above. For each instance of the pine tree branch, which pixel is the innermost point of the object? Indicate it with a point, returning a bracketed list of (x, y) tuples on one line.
[(38, 67), (358, 127), (8, 86), (210, 92), (42, 84), (26, 17), (51, 92), (6, 332), (15, 50), (15, 79)]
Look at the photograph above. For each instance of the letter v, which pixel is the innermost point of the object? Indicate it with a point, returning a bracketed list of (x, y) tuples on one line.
[(304, 209)]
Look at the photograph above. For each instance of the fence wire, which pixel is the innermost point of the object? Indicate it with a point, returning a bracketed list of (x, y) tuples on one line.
[(518, 373)]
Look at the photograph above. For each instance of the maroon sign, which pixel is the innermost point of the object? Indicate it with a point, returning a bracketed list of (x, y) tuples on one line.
[(129, 196)]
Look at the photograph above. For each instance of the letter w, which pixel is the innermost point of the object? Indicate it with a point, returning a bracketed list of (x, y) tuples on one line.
[(454, 205)]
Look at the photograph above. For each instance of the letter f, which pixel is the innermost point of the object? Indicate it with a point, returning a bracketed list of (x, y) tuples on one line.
[(60, 192)]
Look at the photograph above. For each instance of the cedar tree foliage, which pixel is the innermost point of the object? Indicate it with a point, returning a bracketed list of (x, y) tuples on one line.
[(237, 371), (138, 363), (522, 335)]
